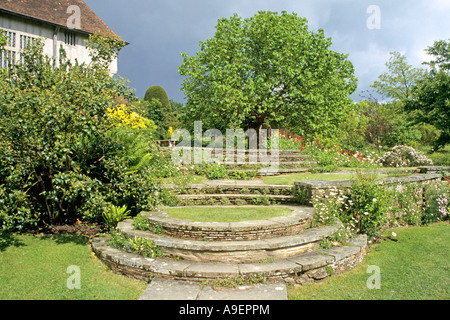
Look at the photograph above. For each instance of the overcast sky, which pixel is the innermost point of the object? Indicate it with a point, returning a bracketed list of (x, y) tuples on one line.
[(159, 30)]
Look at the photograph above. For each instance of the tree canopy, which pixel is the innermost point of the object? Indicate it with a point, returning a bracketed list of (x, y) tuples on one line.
[(268, 69), (431, 94)]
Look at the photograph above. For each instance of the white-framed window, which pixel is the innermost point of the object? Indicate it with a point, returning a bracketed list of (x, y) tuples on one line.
[(10, 39), (15, 43), (7, 58), (26, 41), (70, 38)]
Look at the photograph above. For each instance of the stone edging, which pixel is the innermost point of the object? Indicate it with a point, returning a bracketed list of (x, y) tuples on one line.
[(299, 269), (306, 190), (235, 251), (285, 225)]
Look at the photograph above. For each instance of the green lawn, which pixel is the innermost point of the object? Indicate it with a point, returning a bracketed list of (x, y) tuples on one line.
[(440, 158), (34, 268), (288, 179), (414, 268), (226, 214)]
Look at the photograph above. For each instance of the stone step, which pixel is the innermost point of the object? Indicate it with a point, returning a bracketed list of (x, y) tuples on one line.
[(245, 251), (299, 269), (240, 188), (175, 290), (289, 224), (234, 199)]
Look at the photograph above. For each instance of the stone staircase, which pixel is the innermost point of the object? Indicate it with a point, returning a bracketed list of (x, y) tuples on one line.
[(227, 192), (282, 249)]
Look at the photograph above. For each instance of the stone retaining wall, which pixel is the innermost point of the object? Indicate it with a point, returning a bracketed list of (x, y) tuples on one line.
[(286, 225), (302, 269), (307, 190)]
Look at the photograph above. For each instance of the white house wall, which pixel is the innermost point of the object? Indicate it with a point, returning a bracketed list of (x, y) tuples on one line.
[(47, 32)]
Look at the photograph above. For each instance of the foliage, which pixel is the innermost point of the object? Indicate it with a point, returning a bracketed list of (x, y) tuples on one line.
[(123, 116), (104, 49), (237, 281), (437, 202), (144, 247), (3, 40), (59, 158), (404, 156), (159, 109), (431, 95), (369, 206), (113, 215), (268, 68), (141, 222), (397, 83), (334, 157), (216, 171)]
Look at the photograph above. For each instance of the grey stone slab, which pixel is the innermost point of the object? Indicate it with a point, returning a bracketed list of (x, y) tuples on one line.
[(311, 260), (277, 291), (165, 289), (211, 270), (278, 268), (340, 253), (359, 241)]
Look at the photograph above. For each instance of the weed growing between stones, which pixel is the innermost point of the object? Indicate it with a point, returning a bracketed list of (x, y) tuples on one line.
[(143, 247)]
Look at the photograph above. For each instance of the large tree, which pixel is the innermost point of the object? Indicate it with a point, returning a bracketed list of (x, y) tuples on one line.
[(397, 83), (268, 69), (431, 94)]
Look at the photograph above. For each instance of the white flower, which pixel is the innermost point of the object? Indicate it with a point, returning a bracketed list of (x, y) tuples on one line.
[(374, 200), (366, 213), (394, 234)]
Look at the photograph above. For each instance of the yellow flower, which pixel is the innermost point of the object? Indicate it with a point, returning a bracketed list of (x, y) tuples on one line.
[(121, 116), (170, 131)]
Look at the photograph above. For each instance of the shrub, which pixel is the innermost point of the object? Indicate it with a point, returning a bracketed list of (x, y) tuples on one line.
[(160, 109), (437, 202), (113, 215), (404, 156), (216, 171), (144, 247), (60, 159)]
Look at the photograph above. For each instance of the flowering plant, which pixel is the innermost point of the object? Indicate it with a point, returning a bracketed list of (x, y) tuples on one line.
[(122, 116)]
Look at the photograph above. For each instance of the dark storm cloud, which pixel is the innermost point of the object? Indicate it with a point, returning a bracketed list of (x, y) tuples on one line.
[(159, 30)]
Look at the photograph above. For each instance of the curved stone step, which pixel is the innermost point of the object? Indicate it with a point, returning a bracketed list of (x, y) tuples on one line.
[(234, 251), (233, 199), (239, 188), (285, 225), (300, 268)]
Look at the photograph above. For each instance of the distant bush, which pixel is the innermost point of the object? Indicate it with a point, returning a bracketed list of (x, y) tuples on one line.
[(404, 156)]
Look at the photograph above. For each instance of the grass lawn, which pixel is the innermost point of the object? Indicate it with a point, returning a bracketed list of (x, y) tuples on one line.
[(34, 268), (414, 268), (288, 179), (227, 214), (440, 158), (184, 180)]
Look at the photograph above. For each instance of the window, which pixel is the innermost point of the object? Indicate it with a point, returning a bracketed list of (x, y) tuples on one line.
[(11, 39), (70, 38), (25, 41), (7, 59), (15, 43)]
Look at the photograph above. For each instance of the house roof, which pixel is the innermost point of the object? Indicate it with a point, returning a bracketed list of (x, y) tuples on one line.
[(55, 12)]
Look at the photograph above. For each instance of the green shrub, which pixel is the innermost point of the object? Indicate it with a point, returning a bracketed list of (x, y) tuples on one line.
[(216, 171), (144, 247), (159, 109), (113, 215), (59, 156), (367, 208), (437, 202)]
